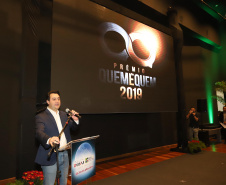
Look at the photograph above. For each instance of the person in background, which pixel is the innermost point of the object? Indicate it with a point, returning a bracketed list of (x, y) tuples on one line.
[(48, 125), (193, 128), (222, 120)]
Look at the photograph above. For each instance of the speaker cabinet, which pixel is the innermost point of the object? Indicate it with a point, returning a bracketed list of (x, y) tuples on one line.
[(204, 137)]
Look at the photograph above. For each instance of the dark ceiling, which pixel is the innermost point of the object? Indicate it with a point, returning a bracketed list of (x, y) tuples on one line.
[(218, 5), (216, 8)]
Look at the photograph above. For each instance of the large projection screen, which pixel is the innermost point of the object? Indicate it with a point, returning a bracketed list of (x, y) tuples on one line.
[(104, 62)]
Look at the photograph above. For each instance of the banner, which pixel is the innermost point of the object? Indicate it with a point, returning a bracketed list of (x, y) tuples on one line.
[(83, 161)]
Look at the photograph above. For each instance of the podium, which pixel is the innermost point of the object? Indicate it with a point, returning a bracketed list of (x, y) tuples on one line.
[(83, 158)]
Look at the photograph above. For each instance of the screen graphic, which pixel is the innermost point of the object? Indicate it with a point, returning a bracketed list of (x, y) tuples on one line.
[(104, 62)]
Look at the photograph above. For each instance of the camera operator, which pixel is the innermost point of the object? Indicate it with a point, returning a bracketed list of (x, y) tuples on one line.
[(193, 128)]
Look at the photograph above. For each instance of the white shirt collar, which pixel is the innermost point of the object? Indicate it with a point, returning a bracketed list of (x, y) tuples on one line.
[(53, 112)]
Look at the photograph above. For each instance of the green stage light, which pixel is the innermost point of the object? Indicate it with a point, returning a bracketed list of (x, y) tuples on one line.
[(211, 68), (209, 103), (213, 147), (208, 41)]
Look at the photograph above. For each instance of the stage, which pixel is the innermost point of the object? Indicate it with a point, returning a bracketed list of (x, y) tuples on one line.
[(117, 170)]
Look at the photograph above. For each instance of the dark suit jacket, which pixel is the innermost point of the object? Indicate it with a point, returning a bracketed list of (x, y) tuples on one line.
[(221, 117), (46, 127)]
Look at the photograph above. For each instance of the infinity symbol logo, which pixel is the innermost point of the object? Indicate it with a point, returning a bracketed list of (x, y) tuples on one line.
[(148, 40)]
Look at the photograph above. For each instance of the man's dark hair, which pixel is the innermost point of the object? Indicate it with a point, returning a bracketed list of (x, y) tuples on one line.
[(52, 92)]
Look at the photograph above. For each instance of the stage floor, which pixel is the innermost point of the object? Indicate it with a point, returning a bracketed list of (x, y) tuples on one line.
[(126, 164)]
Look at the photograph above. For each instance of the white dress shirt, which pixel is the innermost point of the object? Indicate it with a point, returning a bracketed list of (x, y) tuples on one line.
[(56, 115)]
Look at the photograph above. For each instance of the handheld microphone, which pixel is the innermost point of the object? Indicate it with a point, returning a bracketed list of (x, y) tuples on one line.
[(67, 110)]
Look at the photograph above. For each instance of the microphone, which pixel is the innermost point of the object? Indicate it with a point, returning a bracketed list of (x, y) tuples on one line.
[(67, 110)]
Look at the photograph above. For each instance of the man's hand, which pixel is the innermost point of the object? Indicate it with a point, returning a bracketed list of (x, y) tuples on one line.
[(73, 115), (54, 140)]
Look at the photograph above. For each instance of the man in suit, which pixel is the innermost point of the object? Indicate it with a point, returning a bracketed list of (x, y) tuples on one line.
[(49, 124)]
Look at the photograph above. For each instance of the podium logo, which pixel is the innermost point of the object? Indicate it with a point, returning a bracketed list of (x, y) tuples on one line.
[(84, 161), (89, 159), (141, 45), (78, 163)]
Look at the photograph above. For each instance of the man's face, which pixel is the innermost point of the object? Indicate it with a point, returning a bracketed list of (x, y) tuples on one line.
[(54, 102), (193, 109), (224, 109)]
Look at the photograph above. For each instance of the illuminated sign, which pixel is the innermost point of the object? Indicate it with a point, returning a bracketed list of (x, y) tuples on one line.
[(124, 74), (147, 38), (117, 63)]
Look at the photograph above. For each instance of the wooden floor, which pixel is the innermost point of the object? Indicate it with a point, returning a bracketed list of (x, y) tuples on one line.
[(116, 167)]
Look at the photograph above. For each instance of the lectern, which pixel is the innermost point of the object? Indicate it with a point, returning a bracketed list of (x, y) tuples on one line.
[(83, 158)]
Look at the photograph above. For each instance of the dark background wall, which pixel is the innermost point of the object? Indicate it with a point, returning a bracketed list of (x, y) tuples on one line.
[(222, 54), (25, 78), (10, 75), (124, 133), (19, 54)]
